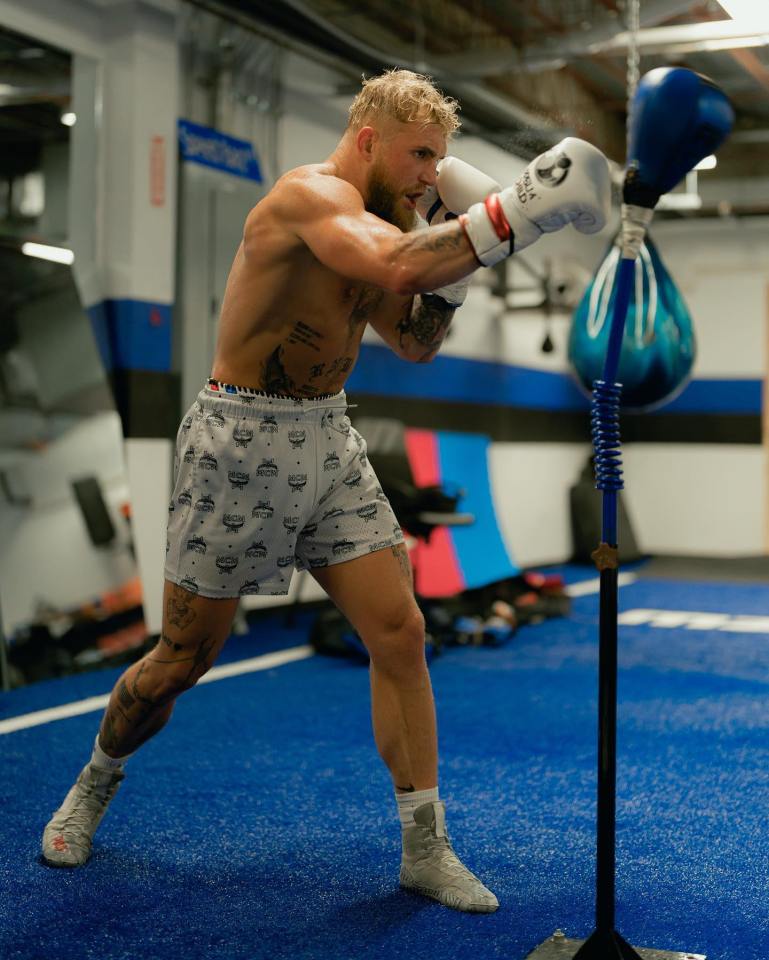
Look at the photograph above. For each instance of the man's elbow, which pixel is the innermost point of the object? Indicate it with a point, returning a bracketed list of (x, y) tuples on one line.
[(425, 356), (404, 281)]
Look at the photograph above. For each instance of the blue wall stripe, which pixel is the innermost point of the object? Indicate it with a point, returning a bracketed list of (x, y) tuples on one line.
[(133, 334), (380, 372), (482, 554)]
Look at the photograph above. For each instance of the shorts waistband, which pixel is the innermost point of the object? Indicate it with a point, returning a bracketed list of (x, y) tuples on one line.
[(220, 389), (231, 399)]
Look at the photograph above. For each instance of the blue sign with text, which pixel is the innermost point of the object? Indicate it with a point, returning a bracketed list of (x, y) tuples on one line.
[(200, 144)]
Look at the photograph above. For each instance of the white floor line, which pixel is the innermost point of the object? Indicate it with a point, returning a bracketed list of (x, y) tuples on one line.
[(265, 662), (586, 587)]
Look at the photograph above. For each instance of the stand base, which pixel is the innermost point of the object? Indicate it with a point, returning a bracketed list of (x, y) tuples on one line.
[(560, 947)]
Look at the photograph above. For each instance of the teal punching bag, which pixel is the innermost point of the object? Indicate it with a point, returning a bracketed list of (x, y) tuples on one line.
[(658, 347)]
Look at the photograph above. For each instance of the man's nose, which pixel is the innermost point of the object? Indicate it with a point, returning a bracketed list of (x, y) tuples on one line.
[(430, 174)]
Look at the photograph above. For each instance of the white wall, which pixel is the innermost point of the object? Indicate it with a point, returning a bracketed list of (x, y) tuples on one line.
[(47, 556), (709, 499)]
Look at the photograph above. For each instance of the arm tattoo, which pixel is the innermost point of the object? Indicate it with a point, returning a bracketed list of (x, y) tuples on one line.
[(435, 239), (426, 323)]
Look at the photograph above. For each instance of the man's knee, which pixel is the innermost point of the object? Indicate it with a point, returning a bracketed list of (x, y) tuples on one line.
[(398, 644), (163, 680)]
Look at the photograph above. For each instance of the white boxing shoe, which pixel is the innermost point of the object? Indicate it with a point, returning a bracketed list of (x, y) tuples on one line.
[(67, 838), (429, 865)]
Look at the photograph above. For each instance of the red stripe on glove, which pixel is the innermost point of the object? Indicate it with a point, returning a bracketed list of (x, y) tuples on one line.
[(497, 216)]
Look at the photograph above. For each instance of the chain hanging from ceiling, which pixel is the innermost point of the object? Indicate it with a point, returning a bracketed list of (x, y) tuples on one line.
[(633, 57)]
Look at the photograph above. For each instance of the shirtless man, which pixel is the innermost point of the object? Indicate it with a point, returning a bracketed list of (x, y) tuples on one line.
[(269, 471)]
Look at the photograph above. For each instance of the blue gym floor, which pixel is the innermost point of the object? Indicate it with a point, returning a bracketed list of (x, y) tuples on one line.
[(261, 823)]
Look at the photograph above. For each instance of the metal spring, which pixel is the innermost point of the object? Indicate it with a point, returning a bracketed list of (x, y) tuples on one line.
[(604, 418)]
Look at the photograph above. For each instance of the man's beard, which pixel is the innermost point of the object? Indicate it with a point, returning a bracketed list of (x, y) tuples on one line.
[(386, 204)]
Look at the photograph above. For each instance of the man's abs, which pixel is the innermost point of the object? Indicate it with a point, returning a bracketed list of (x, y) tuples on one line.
[(292, 329)]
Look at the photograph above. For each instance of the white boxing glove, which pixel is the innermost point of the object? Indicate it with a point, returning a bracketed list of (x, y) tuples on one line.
[(570, 183), (458, 186)]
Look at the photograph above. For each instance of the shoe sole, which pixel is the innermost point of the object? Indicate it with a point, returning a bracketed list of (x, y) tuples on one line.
[(447, 900)]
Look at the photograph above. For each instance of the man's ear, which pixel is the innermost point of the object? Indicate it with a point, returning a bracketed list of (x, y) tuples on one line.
[(365, 142)]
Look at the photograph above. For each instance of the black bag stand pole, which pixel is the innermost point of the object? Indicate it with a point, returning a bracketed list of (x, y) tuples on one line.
[(606, 943)]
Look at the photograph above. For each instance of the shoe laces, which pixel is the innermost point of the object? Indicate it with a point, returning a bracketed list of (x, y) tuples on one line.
[(439, 849), (91, 798)]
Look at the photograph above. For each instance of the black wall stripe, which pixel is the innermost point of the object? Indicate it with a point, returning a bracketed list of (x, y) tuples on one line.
[(148, 402), (522, 424)]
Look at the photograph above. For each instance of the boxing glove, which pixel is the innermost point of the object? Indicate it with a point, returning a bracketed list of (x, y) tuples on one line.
[(458, 186), (570, 183)]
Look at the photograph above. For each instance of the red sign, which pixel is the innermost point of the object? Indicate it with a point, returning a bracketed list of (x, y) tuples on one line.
[(158, 171)]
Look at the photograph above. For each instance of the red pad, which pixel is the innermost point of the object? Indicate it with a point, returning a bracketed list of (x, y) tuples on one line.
[(436, 567)]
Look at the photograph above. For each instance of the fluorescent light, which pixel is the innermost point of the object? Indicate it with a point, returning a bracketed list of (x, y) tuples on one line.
[(707, 163), (747, 13), (43, 252), (68, 119)]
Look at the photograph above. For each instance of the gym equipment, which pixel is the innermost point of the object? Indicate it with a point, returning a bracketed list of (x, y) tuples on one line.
[(658, 346), (677, 117)]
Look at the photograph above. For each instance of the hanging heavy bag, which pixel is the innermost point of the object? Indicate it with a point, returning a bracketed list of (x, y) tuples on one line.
[(658, 347)]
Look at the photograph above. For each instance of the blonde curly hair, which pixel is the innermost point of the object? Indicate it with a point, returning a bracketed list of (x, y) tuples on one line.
[(405, 96)]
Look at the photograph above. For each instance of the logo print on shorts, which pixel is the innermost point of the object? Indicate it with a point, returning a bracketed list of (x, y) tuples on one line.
[(341, 547), (263, 509), (187, 422), (367, 512), (397, 532), (353, 480), (296, 438), (286, 561), (380, 495), (171, 507), (269, 424), (215, 420), (248, 588), (297, 481), (333, 512), (267, 468), (185, 498), (226, 563), (238, 479), (290, 524), (318, 562), (310, 530), (233, 521), (197, 544), (327, 419), (257, 551), (168, 545), (189, 454), (205, 503), (332, 461), (208, 461), (242, 436), (380, 545), (191, 584)]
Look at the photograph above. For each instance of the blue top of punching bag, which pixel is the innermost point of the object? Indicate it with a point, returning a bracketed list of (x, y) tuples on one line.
[(677, 117)]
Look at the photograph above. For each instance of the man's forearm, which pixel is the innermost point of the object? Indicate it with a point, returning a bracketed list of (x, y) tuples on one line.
[(424, 326)]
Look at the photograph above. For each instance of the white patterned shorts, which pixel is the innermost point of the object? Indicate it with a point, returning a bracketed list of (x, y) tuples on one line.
[(264, 484)]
